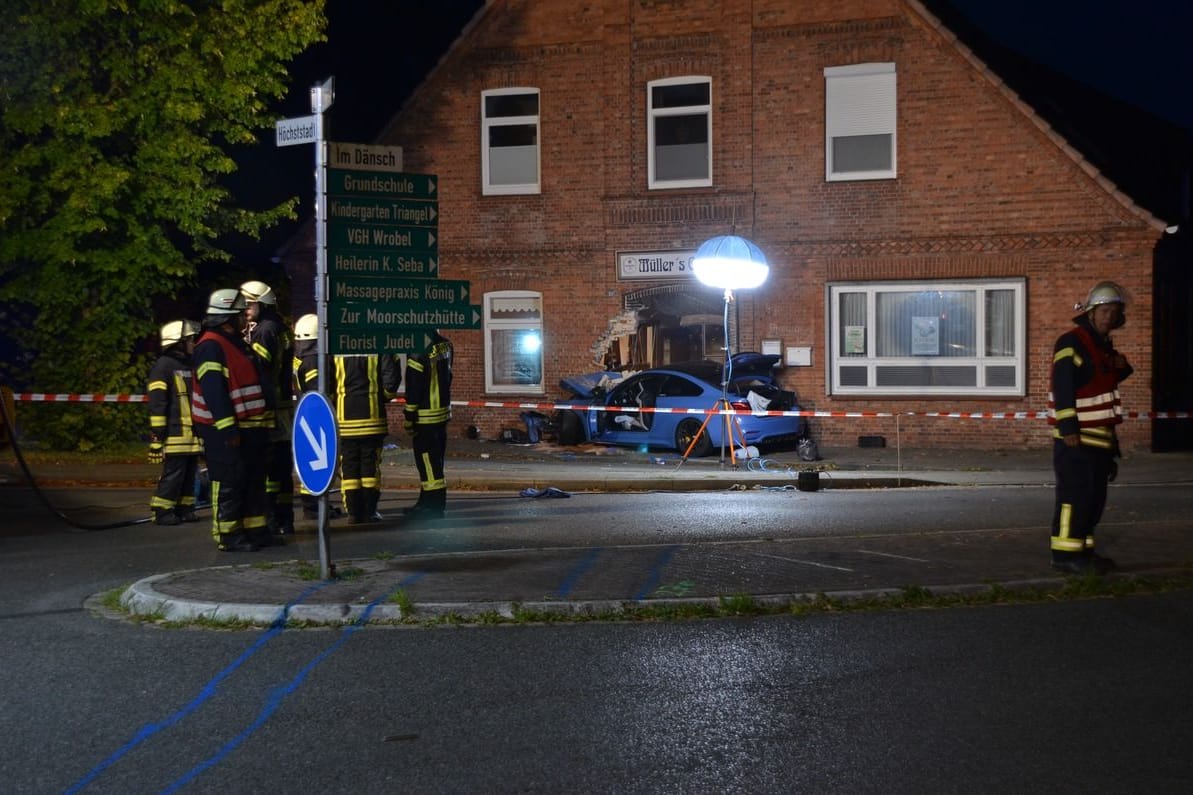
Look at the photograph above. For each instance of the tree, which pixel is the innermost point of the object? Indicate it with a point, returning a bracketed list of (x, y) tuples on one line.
[(116, 122)]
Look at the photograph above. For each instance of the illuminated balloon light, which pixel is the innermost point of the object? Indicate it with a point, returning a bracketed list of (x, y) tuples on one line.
[(730, 263)]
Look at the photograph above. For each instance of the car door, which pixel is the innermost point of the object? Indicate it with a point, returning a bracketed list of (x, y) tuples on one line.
[(630, 426), (677, 392)]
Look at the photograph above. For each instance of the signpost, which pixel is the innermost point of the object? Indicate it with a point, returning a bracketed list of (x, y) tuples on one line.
[(376, 269)]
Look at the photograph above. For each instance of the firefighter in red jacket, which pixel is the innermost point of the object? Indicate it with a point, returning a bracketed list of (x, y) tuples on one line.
[(1083, 409), (172, 439), (233, 416), (427, 411)]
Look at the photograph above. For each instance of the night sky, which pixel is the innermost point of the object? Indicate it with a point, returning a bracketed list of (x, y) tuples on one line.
[(1137, 51)]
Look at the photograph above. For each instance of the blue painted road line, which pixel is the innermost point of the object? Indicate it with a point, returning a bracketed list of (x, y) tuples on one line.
[(278, 694), (656, 573), (207, 691), (576, 572)]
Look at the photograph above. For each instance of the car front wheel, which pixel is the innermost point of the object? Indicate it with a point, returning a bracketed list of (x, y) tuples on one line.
[(685, 432)]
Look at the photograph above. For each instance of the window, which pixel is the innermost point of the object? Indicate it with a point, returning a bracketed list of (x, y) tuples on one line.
[(859, 116), (514, 341), (510, 140), (679, 132), (927, 338)]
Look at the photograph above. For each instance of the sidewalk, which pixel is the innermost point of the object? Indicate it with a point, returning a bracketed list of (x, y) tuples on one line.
[(586, 580)]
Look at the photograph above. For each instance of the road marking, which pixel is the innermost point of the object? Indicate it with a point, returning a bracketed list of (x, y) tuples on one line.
[(889, 555), (804, 562)]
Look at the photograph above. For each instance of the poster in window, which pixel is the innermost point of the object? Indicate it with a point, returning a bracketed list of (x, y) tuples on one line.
[(855, 340), (925, 336)]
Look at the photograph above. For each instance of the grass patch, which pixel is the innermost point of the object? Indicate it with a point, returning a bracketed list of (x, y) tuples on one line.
[(402, 599)]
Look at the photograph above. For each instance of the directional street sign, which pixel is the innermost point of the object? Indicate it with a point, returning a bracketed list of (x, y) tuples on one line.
[(382, 248), (347, 182), (382, 262), (395, 340), (359, 316), (397, 292), (314, 443)]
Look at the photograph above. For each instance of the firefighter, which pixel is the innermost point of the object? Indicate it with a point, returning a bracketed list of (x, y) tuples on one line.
[(1083, 409), (306, 379), (273, 345), (233, 417), (172, 440), (427, 412), (361, 385)]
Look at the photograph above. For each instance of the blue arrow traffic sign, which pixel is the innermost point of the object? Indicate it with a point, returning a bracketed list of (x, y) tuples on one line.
[(314, 442)]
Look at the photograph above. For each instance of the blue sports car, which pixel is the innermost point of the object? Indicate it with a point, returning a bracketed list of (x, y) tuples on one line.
[(679, 387)]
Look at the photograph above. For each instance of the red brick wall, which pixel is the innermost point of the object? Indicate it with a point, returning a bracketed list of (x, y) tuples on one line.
[(982, 191)]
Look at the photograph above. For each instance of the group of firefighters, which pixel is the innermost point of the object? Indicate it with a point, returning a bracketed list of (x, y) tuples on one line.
[(223, 390)]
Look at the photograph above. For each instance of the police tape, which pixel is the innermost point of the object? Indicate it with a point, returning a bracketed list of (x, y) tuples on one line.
[(39, 397)]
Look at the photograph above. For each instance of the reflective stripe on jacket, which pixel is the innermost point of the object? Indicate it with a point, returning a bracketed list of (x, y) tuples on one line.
[(1085, 398), (227, 387), (169, 398)]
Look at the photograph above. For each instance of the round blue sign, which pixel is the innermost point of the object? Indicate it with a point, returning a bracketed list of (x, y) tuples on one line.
[(314, 442)]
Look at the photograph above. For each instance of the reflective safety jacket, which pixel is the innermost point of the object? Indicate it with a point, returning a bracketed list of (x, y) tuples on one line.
[(361, 386), (1085, 399), (273, 346), (429, 385), (306, 365), (169, 393), (227, 388)]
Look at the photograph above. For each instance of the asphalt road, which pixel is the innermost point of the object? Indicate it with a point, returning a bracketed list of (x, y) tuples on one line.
[(1078, 696)]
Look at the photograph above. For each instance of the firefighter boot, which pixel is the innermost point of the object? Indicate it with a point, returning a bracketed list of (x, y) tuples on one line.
[(166, 517)]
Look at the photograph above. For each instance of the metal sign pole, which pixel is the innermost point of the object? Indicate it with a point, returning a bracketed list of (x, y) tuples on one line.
[(322, 96)]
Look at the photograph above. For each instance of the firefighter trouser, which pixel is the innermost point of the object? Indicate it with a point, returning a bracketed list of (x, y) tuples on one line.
[(360, 474), (1082, 473), (279, 485), (237, 480), (429, 443), (175, 490)]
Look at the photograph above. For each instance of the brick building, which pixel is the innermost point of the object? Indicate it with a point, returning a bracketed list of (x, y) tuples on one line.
[(927, 233)]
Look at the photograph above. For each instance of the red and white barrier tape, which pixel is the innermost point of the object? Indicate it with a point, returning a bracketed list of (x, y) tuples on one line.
[(39, 397)]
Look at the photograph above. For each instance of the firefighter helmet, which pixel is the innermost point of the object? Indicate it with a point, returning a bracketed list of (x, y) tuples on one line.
[(258, 292), (1103, 293), (307, 328), (227, 301), (177, 330)]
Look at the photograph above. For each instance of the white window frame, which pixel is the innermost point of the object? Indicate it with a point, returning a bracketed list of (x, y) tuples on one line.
[(837, 359), (493, 323), (488, 188), (859, 99), (653, 114)]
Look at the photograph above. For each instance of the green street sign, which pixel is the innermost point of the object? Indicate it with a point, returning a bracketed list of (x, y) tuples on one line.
[(382, 262), (393, 212), (344, 237), (349, 317), (407, 340), (342, 183), (394, 292)]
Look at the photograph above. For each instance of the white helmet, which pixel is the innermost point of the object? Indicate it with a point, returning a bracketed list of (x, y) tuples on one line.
[(259, 292), (1102, 293), (307, 328), (227, 301), (177, 330)]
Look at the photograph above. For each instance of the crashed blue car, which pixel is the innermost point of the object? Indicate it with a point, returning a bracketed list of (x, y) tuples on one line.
[(694, 385)]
